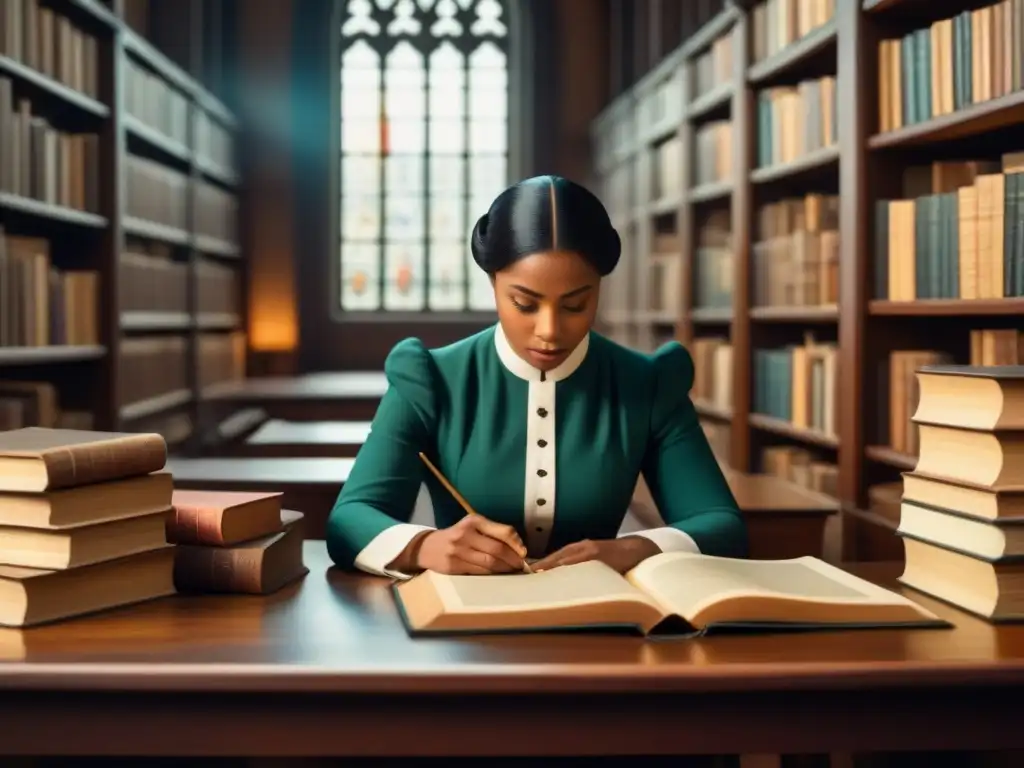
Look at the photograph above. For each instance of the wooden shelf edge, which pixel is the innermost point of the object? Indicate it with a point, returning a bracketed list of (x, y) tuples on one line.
[(48, 355), (217, 321), (868, 516), (785, 429), (98, 12), (70, 96), (135, 127), (136, 227), (883, 454), (793, 54), (211, 246), (144, 320), (708, 102), (819, 158), (155, 405), (706, 193), (39, 209), (974, 119), (711, 315), (825, 313), (709, 409), (946, 307)]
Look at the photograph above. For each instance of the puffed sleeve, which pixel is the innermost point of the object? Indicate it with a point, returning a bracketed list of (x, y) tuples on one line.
[(369, 524), (681, 471)]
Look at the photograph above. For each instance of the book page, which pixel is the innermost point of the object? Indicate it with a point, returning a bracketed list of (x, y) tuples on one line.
[(685, 583), (581, 584)]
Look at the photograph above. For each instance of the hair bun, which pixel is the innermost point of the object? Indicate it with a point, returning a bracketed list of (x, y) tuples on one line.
[(478, 244)]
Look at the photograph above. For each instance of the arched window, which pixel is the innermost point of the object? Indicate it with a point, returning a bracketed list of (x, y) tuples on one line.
[(424, 150)]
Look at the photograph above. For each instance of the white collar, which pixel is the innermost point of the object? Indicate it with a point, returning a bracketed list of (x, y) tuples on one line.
[(524, 370)]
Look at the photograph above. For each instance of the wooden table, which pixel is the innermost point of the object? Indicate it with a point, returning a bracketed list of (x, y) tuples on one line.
[(325, 668), (312, 397), (783, 519), (280, 438)]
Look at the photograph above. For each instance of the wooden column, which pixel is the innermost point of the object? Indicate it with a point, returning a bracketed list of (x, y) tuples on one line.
[(742, 219)]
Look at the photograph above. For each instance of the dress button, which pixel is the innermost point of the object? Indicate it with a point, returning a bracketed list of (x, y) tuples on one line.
[(542, 412), (542, 473), (539, 529), (542, 443), (541, 502)]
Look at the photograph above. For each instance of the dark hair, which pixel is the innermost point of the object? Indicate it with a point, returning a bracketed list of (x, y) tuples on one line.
[(545, 213)]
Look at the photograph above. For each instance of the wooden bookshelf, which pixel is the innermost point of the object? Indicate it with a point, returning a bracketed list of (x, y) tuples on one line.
[(852, 328), (121, 269)]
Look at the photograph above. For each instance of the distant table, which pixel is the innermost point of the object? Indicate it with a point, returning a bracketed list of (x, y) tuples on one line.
[(311, 397), (324, 668), (281, 438), (783, 519)]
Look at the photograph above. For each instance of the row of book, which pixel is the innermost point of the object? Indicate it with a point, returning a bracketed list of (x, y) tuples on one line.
[(965, 59), (41, 38), (713, 68), (713, 153), (155, 103), (793, 121), (712, 380), (956, 234), (154, 366), (107, 528), (666, 177), (898, 393), (795, 259), (665, 266), (151, 280), (798, 384), (41, 305), (43, 163), (713, 260), (777, 24)]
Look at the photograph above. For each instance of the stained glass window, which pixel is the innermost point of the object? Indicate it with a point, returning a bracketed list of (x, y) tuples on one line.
[(424, 150)]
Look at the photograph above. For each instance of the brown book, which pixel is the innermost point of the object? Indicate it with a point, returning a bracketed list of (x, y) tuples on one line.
[(221, 518), (36, 459), (963, 499), (30, 596), (257, 567)]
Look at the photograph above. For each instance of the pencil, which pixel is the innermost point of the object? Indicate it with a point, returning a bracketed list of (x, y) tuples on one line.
[(458, 496)]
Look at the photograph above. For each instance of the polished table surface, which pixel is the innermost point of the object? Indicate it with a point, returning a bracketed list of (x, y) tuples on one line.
[(325, 667)]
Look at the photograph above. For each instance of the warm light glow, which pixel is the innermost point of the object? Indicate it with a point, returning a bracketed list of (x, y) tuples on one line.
[(272, 324)]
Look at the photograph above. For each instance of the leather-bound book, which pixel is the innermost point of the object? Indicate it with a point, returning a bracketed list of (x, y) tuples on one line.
[(222, 518), (37, 459), (257, 567)]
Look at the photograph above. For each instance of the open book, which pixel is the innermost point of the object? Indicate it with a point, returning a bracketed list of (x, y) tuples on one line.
[(670, 593)]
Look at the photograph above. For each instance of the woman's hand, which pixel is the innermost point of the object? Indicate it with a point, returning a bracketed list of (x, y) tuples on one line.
[(474, 545), (622, 554)]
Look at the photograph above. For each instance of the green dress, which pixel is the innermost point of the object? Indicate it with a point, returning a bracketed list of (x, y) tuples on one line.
[(556, 455)]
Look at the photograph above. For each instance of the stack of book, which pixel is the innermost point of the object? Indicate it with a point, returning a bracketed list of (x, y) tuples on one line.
[(82, 523), (234, 542), (962, 510)]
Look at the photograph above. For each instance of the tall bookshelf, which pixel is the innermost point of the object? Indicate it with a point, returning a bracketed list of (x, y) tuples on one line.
[(121, 261), (873, 227)]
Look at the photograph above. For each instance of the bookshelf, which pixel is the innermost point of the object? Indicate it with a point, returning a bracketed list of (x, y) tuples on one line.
[(856, 197), (121, 265)]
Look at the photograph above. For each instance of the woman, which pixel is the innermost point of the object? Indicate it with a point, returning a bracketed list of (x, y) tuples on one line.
[(540, 423)]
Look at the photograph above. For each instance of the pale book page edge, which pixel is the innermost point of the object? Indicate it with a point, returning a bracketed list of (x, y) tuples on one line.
[(873, 594), (452, 602)]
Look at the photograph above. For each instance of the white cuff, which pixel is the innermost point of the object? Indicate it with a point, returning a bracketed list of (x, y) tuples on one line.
[(385, 547), (669, 539)]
